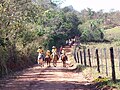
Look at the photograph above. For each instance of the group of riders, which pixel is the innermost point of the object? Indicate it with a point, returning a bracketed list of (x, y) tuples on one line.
[(51, 56)]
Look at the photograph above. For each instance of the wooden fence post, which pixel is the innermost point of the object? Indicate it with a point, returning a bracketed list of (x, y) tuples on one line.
[(81, 57), (106, 61), (101, 60), (112, 64), (84, 56), (74, 53), (77, 57), (98, 63), (92, 56), (119, 57), (89, 57)]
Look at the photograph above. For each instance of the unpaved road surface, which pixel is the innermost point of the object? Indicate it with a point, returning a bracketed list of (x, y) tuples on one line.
[(46, 78)]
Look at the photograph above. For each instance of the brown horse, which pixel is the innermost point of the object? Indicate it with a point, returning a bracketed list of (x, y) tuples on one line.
[(64, 58), (48, 60), (55, 58)]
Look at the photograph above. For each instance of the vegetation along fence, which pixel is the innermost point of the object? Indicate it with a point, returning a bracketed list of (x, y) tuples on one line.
[(105, 60)]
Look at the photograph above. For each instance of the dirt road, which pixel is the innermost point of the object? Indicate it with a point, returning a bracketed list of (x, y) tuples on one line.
[(46, 78)]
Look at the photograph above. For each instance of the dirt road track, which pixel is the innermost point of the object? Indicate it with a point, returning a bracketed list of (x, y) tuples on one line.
[(46, 78)]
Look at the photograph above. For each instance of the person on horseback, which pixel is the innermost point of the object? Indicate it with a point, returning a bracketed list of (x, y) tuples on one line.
[(40, 56), (54, 56), (64, 58), (48, 57)]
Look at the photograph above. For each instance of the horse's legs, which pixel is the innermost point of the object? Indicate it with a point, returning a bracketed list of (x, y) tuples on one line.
[(54, 63), (64, 64), (38, 61), (41, 62), (49, 63)]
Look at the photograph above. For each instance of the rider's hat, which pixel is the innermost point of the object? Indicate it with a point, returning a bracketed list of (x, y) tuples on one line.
[(63, 51), (48, 51), (40, 47), (53, 47)]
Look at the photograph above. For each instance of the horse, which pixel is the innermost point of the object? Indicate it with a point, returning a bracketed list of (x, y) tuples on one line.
[(40, 57), (55, 58), (41, 60), (64, 58), (48, 57), (48, 60)]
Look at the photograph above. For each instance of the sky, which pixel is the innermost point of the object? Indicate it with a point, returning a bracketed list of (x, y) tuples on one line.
[(95, 5)]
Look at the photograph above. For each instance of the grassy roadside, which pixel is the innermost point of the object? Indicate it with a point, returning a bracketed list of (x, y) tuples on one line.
[(92, 72), (102, 81)]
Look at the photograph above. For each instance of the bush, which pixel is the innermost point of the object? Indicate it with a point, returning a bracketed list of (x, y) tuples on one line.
[(88, 35), (55, 40)]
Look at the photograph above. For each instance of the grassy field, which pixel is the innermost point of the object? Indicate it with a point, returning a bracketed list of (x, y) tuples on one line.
[(112, 34)]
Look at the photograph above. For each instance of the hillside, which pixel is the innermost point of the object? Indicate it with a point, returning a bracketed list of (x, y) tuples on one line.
[(113, 34)]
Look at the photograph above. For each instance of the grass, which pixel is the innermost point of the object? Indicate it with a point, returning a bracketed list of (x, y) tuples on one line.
[(112, 34), (100, 78), (92, 72)]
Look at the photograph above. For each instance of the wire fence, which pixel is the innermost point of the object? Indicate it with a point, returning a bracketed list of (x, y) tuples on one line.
[(105, 60)]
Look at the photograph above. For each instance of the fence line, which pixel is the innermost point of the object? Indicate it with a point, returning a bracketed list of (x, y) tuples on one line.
[(101, 58)]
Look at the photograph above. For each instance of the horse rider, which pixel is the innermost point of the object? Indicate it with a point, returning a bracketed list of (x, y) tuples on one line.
[(40, 56), (64, 58), (54, 56)]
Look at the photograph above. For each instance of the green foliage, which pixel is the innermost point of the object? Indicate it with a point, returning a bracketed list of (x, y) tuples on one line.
[(55, 40), (3, 60), (85, 35), (59, 24), (17, 31), (2, 42), (105, 82), (88, 35), (101, 80), (26, 37), (91, 31)]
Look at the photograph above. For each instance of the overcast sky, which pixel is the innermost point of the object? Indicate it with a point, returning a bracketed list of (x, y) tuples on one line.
[(95, 5)]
